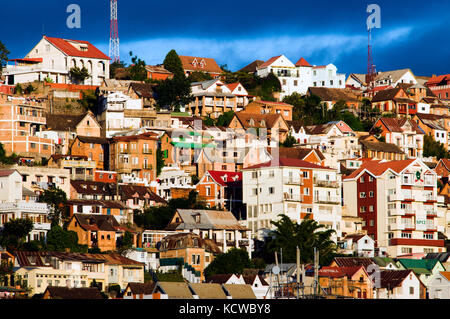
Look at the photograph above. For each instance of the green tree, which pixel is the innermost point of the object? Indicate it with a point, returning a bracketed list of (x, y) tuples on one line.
[(198, 76), (89, 101), (233, 261), (114, 66), (290, 141), (160, 163), (125, 243), (57, 199), (9, 160), (3, 56), (172, 63), (79, 75), (30, 89), (432, 148), (18, 89), (174, 93), (225, 119), (59, 239), (306, 235), (14, 233), (137, 70)]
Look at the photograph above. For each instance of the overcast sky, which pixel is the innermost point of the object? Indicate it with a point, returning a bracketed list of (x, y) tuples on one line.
[(414, 34)]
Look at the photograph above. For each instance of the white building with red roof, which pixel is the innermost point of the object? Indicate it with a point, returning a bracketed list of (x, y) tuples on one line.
[(298, 77), (398, 202), (292, 187), (52, 58)]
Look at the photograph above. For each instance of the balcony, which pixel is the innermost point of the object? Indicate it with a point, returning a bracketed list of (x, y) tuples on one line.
[(294, 181), (78, 164), (26, 207), (325, 183), (293, 197), (396, 197), (432, 213), (430, 198), (32, 119), (397, 212), (243, 243), (127, 151), (42, 226), (327, 200), (396, 226), (146, 151)]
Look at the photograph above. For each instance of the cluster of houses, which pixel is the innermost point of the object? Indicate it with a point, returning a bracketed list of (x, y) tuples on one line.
[(388, 204)]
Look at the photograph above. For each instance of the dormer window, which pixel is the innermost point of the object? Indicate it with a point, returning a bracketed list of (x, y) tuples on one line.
[(197, 218), (224, 177)]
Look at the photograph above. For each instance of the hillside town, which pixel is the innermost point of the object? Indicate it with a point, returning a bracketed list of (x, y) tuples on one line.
[(186, 180)]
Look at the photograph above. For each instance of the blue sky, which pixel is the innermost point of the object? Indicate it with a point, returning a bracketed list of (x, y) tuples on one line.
[(413, 34)]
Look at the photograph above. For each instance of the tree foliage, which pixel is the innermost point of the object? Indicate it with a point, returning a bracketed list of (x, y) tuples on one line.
[(306, 235), (56, 198), (433, 148), (159, 217), (125, 243), (59, 239), (198, 76), (14, 233), (172, 63), (79, 75), (137, 69), (9, 160), (3, 56), (290, 141), (233, 261), (113, 67)]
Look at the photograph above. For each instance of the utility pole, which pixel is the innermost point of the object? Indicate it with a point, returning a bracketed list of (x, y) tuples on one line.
[(298, 273), (316, 272)]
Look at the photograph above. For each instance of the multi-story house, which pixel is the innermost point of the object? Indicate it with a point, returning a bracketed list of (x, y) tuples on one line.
[(404, 133), (268, 107), (399, 284), (222, 190), (218, 225), (374, 149), (330, 96), (171, 181), (39, 270), (212, 98), (53, 58), (434, 125), (120, 111), (395, 77), (92, 147), (158, 72), (398, 203), (134, 155), (198, 64), (242, 96), (336, 140), (272, 127), (99, 231), (39, 178), (440, 86), (80, 167), (396, 101), (21, 122), (13, 206), (191, 251), (294, 188), (298, 77), (64, 128)]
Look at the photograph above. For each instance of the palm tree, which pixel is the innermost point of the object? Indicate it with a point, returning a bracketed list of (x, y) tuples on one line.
[(306, 235)]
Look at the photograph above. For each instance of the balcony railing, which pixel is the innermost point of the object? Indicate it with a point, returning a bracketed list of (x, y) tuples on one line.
[(325, 183), (397, 212), (294, 181), (293, 197), (327, 200), (396, 197)]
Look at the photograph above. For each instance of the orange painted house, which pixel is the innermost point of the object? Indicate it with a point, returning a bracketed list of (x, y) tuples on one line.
[(91, 147), (268, 107)]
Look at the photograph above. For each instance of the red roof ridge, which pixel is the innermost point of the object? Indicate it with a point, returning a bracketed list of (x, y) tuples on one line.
[(303, 62)]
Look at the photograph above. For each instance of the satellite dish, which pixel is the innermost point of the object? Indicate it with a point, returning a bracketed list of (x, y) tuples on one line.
[(276, 270)]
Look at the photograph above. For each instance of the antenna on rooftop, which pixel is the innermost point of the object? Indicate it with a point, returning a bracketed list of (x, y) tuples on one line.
[(114, 52)]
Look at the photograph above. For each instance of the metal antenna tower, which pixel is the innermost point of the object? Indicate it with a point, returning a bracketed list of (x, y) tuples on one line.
[(114, 52)]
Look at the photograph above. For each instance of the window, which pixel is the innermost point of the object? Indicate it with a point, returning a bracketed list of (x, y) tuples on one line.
[(372, 223), (371, 194), (362, 179), (411, 290), (406, 235), (362, 195), (306, 175), (271, 190), (362, 209), (208, 191), (371, 208)]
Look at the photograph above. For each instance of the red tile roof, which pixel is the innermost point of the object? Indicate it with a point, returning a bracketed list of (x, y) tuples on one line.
[(302, 62), (288, 162), (438, 79), (377, 168), (268, 62), (65, 46), (219, 176), (210, 65), (232, 86)]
